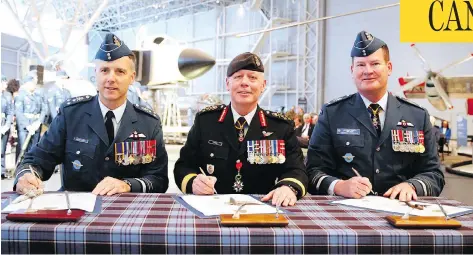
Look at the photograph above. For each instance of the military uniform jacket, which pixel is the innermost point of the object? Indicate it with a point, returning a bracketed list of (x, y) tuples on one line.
[(30, 107), (344, 137), (7, 109), (212, 144), (77, 138), (57, 96)]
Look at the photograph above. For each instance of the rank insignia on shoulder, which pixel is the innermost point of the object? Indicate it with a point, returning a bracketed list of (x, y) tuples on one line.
[(146, 110), (277, 115), (339, 99), (75, 100), (212, 108)]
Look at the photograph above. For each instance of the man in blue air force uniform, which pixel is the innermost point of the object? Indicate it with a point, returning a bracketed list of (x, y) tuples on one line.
[(31, 110), (58, 94), (387, 139), (107, 144), (7, 119)]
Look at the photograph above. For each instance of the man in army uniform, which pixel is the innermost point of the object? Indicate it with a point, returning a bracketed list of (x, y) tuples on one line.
[(241, 147), (106, 144), (58, 94), (7, 118), (384, 139), (31, 111)]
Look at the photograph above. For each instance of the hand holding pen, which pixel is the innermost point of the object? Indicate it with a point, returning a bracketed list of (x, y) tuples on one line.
[(355, 187), (203, 184)]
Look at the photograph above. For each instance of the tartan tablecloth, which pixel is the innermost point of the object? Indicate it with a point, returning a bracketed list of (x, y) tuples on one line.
[(155, 223)]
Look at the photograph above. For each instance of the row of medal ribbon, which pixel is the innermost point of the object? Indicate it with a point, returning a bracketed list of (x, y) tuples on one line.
[(136, 152), (408, 141), (266, 151)]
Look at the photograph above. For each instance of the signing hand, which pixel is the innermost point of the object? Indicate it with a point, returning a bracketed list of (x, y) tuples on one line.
[(281, 196), (110, 186), (203, 185), (405, 191), (28, 182), (355, 187)]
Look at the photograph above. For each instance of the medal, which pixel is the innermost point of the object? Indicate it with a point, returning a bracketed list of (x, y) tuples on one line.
[(119, 153), (238, 184), (421, 141), (126, 160), (250, 149), (394, 137), (282, 151)]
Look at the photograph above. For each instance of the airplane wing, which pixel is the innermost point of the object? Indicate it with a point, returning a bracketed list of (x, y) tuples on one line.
[(417, 91), (459, 86)]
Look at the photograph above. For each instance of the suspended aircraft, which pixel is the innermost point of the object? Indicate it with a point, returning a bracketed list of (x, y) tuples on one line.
[(438, 89)]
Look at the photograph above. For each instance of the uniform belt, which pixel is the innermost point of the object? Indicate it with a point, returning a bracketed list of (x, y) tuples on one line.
[(31, 116)]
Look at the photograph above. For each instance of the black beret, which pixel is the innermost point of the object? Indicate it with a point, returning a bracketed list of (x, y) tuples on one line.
[(112, 49), (365, 45), (246, 61)]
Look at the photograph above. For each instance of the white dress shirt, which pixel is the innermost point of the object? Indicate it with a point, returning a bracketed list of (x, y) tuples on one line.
[(118, 112)]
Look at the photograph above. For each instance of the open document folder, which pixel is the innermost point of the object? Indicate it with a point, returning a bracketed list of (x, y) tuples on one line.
[(395, 206), (215, 205), (56, 201)]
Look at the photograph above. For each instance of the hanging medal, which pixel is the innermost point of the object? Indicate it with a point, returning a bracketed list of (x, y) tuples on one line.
[(153, 149), (119, 153), (241, 130), (282, 151), (138, 152), (250, 148), (421, 141), (126, 160), (416, 141), (238, 184)]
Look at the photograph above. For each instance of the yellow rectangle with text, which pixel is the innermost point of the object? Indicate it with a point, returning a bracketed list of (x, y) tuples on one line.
[(436, 20)]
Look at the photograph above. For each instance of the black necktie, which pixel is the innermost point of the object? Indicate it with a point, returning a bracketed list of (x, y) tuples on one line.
[(374, 112), (109, 126), (240, 128)]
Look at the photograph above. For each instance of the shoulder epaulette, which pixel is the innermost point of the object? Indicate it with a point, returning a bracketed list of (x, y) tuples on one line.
[(276, 115), (340, 99), (146, 110), (212, 108), (76, 100), (409, 102)]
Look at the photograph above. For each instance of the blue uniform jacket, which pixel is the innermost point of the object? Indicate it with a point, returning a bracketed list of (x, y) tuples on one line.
[(78, 135), (345, 129)]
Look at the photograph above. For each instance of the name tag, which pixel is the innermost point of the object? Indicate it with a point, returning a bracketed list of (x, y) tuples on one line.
[(346, 131), (81, 140)]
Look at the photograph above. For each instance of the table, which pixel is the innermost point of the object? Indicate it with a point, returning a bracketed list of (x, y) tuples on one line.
[(155, 223)]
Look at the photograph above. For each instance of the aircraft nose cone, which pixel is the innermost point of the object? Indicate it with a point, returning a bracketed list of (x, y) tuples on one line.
[(193, 63)]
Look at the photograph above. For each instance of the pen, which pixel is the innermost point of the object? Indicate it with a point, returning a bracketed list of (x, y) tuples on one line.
[(443, 210), (202, 171), (68, 203), (358, 174)]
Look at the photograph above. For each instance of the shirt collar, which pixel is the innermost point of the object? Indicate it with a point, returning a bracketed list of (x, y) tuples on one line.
[(247, 117), (118, 112), (383, 102)]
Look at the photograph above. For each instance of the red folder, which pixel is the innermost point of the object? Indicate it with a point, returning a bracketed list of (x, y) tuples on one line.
[(45, 215)]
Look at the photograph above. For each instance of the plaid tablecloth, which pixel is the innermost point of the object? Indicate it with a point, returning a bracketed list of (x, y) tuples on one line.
[(155, 223)]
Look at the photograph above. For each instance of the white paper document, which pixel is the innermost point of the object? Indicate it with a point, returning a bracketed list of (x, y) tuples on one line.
[(56, 201), (384, 204), (221, 204)]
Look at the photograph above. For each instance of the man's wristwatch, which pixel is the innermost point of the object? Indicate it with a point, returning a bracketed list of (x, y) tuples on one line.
[(127, 182)]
